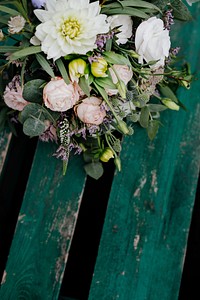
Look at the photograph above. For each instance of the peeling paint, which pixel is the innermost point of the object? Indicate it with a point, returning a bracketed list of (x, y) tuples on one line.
[(136, 241), (4, 277), (141, 186), (154, 182), (21, 217)]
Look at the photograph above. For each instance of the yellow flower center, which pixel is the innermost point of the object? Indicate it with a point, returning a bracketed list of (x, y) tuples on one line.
[(71, 28)]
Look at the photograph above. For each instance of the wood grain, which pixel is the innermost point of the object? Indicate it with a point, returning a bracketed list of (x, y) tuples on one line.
[(144, 240), (45, 228)]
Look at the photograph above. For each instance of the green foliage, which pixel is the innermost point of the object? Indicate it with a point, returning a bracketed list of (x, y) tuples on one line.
[(180, 10), (135, 8), (62, 70), (152, 128), (45, 65), (33, 126), (144, 117), (32, 90), (84, 85), (94, 169), (115, 58)]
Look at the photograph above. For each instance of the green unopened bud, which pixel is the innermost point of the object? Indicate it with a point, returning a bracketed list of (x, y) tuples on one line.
[(170, 104), (134, 54), (1, 35), (185, 84), (123, 127), (117, 162), (77, 69), (99, 67), (106, 154)]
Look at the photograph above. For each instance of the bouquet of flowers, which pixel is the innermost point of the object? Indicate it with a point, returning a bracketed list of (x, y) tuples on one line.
[(82, 73)]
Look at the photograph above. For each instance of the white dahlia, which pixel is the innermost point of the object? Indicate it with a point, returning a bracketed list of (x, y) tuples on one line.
[(69, 26)]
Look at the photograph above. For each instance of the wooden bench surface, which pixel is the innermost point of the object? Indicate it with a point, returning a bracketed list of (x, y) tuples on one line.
[(144, 239)]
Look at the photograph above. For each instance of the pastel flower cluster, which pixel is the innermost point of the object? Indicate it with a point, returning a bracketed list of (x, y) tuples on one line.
[(85, 74)]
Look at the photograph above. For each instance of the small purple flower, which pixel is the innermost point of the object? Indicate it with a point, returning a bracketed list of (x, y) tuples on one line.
[(168, 19), (102, 39), (38, 3), (62, 153)]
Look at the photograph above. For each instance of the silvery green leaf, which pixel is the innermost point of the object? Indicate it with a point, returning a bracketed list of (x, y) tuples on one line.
[(94, 169), (32, 90), (156, 107), (33, 127), (144, 117), (153, 128)]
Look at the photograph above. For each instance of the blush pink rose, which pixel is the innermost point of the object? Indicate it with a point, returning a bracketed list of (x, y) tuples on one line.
[(59, 96), (123, 72), (90, 111), (13, 95)]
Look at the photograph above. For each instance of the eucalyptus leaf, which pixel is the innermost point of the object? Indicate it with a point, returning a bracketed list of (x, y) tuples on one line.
[(32, 90), (156, 107), (153, 128), (144, 117), (33, 127), (32, 109), (94, 169), (167, 92)]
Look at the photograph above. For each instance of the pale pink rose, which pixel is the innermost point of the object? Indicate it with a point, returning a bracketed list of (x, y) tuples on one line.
[(59, 96), (13, 95), (123, 72), (90, 111)]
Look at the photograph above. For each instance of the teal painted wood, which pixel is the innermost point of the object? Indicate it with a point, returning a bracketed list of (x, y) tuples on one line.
[(144, 240), (45, 228)]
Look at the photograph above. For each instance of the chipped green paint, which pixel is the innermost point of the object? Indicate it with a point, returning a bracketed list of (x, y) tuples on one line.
[(45, 227), (144, 240)]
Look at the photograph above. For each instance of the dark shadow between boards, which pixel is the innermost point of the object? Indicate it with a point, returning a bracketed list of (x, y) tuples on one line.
[(84, 248), (12, 186), (189, 289)]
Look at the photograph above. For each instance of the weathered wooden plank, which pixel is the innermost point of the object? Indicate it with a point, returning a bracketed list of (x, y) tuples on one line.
[(44, 230), (142, 250)]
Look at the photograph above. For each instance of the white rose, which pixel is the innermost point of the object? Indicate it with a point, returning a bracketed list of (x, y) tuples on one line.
[(125, 23), (152, 41), (123, 72), (13, 95), (90, 111), (59, 96)]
